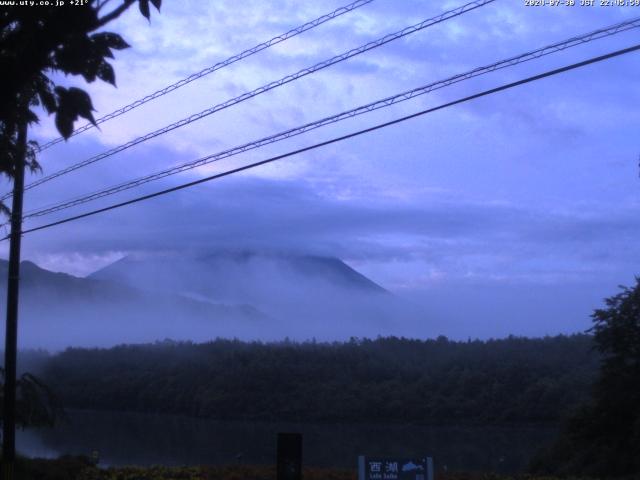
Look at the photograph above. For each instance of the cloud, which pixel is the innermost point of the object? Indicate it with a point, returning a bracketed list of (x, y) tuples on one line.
[(537, 185), (456, 239)]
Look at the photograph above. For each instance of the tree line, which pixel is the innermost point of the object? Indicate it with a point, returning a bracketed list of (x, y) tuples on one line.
[(513, 380)]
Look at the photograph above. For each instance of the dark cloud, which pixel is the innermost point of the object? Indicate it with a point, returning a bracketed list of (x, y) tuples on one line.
[(247, 212)]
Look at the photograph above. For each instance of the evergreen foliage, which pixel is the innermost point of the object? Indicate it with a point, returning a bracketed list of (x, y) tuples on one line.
[(603, 438), (384, 380)]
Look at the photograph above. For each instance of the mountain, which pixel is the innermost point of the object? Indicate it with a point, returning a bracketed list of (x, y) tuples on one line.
[(58, 310), (305, 295), (236, 275), (246, 295)]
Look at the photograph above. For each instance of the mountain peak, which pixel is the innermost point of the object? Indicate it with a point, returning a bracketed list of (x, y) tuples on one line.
[(234, 269)]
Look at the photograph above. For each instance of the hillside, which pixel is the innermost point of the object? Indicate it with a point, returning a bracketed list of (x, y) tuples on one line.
[(306, 296), (58, 310), (233, 276), (246, 295)]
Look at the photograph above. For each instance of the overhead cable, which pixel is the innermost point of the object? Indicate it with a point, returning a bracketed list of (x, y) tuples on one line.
[(265, 88), (383, 103), (484, 93), (225, 63)]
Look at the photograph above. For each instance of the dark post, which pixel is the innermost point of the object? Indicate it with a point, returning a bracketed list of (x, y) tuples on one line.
[(11, 338), (289, 466)]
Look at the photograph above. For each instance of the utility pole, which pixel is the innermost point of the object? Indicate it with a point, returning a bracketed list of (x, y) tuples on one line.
[(11, 338)]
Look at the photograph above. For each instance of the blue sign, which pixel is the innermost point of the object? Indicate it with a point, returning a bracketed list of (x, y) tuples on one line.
[(383, 468)]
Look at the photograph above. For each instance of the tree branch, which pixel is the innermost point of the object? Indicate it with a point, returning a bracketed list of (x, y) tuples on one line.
[(115, 13), (101, 4)]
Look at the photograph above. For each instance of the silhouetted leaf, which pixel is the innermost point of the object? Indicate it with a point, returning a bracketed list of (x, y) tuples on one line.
[(64, 124), (31, 117), (48, 100), (72, 102), (144, 8), (111, 40), (157, 3), (82, 102), (30, 157), (106, 73), (72, 57), (86, 56)]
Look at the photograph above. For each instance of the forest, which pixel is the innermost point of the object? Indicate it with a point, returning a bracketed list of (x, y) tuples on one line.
[(512, 380)]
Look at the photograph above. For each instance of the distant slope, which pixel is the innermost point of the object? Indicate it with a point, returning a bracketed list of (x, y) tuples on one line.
[(246, 295), (306, 295), (333, 270), (232, 272), (57, 309)]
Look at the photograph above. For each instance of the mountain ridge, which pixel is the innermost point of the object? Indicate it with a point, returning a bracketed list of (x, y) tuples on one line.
[(198, 297), (103, 313), (307, 264)]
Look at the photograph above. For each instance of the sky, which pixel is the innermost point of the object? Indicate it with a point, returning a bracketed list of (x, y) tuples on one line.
[(512, 214)]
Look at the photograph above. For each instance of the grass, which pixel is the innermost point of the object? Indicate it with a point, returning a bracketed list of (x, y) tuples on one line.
[(81, 468)]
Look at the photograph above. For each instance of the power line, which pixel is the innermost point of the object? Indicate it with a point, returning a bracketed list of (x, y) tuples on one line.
[(265, 88), (341, 138), (240, 56), (383, 103)]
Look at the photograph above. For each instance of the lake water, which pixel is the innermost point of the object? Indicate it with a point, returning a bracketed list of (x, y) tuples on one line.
[(147, 439)]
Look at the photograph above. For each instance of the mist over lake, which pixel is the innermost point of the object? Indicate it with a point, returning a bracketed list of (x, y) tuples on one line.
[(142, 439)]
